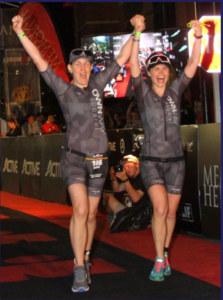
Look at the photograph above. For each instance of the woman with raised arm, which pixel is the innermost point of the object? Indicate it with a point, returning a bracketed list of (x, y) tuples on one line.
[(84, 159), (162, 165)]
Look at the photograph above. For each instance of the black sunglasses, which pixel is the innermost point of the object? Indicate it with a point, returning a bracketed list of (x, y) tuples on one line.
[(79, 52)]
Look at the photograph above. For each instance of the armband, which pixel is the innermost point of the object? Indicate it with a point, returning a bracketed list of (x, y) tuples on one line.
[(198, 37), (21, 35), (137, 33), (135, 40)]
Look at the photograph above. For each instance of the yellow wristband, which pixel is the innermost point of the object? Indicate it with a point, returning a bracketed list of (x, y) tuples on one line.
[(137, 33), (21, 35)]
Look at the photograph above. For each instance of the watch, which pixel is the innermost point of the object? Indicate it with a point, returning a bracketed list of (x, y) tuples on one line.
[(124, 181)]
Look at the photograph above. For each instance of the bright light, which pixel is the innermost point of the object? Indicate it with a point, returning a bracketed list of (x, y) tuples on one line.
[(175, 33), (184, 47)]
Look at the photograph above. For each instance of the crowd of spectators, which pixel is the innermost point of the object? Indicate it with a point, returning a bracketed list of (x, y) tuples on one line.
[(34, 125), (114, 119)]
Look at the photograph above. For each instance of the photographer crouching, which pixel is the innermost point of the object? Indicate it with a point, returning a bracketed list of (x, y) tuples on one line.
[(126, 177)]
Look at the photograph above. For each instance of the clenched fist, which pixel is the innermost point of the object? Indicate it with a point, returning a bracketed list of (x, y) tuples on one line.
[(17, 22)]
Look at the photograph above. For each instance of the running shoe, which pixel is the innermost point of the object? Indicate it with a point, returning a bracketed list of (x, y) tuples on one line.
[(87, 268), (80, 281), (158, 269), (167, 270)]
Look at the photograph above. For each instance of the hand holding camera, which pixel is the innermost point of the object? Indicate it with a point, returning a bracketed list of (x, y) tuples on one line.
[(120, 172)]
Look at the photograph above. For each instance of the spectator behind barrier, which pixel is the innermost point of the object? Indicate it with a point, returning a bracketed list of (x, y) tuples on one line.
[(132, 117), (118, 121), (29, 127), (39, 119), (50, 127), (136, 216), (109, 124), (14, 130), (4, 127)]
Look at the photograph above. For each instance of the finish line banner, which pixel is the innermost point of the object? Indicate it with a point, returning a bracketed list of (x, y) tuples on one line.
[(40, 30)]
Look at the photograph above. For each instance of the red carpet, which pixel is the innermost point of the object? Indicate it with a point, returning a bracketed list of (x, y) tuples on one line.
[(187, 253)]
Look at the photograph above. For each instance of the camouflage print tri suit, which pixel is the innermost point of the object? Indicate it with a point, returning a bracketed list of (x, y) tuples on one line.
[(83, 113), (162, 137)]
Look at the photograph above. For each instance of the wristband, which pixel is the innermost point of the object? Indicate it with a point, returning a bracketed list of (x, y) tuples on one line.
[(198, 37), (135, 40), (124, 181), (21, 35), (137, 33)]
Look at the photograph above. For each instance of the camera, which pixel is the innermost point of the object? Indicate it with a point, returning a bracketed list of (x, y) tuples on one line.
[(118, 168)]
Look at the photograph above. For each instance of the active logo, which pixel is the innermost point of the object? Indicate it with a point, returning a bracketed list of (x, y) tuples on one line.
[(10, 166), (53, 169), (31, 168)]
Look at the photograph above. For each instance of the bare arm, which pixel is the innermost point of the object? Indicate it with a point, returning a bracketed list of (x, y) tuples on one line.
[(116, 186), (126, 49), (30, 48), (193, 61), (134, 61), (134, 194), (128, 113)]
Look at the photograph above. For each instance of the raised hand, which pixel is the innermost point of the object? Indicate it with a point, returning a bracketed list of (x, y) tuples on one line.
[(196, 26), (138, 22), (17, 22)]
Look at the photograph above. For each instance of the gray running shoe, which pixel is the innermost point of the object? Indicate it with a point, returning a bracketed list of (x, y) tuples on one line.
[(80, 282), (87, 268)]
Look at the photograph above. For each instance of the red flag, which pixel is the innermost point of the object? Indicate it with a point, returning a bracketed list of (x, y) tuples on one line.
[(40, 30)]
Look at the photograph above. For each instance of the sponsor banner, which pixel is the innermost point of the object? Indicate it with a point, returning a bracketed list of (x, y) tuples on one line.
[(30, 167), (185, 212), (188, 215), (40, 30), (22, 84), (210, 179), (9, 165), (53, 188), (8, 36), (210, 59)]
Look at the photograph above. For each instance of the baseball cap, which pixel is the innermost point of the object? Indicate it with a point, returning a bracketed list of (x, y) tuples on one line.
[(157, 58), (130, 158), (80, 53)]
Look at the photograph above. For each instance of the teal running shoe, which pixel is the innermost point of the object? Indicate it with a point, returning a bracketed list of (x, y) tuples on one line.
[(158, 269), (167, 270)]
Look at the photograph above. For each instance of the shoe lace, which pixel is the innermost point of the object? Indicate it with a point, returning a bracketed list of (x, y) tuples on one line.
[(159, 265), (79, 274), (167, 261)]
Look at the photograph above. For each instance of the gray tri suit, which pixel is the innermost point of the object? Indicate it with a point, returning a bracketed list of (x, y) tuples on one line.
[(160, 117), (83, 113)]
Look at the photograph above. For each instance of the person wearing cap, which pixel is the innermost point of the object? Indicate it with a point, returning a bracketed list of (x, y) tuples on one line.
[(128, 179), (162, 165), (84, 161)]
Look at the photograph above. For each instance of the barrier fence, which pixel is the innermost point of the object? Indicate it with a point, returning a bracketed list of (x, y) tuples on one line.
[(30, 166)]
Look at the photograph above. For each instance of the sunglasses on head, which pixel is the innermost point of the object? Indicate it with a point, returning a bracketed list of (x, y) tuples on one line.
[(79, 52), (157, 58)]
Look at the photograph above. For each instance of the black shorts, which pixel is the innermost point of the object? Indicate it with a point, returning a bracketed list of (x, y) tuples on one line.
[(90, 172), (170, 174)]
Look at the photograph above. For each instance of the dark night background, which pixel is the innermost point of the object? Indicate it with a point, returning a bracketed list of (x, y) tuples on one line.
[(63, 17)]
